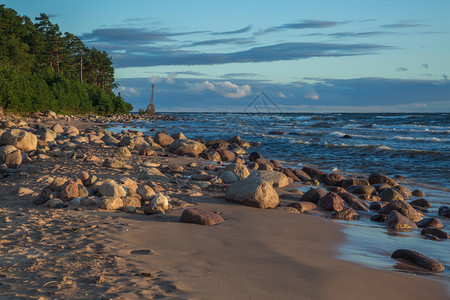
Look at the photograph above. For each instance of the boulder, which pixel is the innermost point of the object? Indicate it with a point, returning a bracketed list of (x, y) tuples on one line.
[(226, 155), (332, 179), (418, 193), (47, 135), (420, 202), (160, 203), (152, 174), (178, 136), (353, 202), (362, 189), (397, 221), (418, 259), (112, 189), (57, 183), (403, 190), (375, 206), (277, 179), (201, 177), (254, 156), (20, 139), (111, 203), (303, 206), (50, 114), (146, 192), (347, 214), (116, 164), (57, 128), (109, 140), (187, 147), (69, 190), (353, 181), (331, 202), (290, 174), (163, 139), (389, 195), (122, 152), (131, 201), (54, 203), (200, 216), (378, 218), (253, 192), (440, 234), (288, 209), (313, 195), (211, 155), (11, 156), (71, 130), (380, 178), (402, 207), (228, 177), (239, 170), (83, 176), (302, 175), (430, 222), (314, 173)]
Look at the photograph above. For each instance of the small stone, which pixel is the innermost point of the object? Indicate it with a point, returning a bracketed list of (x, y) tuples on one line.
[(303, 206), (122, 152), (54, 203), (418, 260), (347, 214), (23, 191), (160, 202), (129, 209), (418, 193), (200, 216), (83, 175), (288, 209)]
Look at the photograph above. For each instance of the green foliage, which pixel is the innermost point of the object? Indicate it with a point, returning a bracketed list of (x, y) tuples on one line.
[(40, 68)]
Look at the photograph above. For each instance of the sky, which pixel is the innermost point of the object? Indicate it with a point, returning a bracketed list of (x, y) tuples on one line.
[(302, 56)]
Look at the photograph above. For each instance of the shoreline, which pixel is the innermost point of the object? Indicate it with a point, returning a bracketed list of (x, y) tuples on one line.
[(196, 278)]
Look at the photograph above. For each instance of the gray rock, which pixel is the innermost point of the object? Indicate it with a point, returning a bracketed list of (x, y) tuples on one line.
[(20, 139), (430, 222), (228, 177), (187, 147), (152, 174), (421, 203), (303, 206), (402, 207), (418, 259), (353, 202), (277, 179), (435, 232), (112, 189), (444, 211), (389, 195), (54, 203), (331, 202), (253, 192), (397, 221), (313, 195), (112, 163), (11, 156), (347, 214), (380, 178), (111, 203), (239, 170)]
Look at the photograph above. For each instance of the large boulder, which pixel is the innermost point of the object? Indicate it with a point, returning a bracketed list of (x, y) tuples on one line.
[(402, 207), (228, 177), (111, 203), (277, 179), (397, 221), (146, 192), (302, 175), (314, 173), (353, 202), (418, 259), (20, 139), (187, 147), (239, 170), (331, 202), (11, 156), (389, 195), (47, 135), (313, 195), (112, 189), (226, 155), (253, 192), (380, 178), (440, 234), (332, 179), (430, 222), (200, 216), (163, 139), (69, 190)]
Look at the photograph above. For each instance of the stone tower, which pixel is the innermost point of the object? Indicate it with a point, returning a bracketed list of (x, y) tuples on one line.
[(151, 108)]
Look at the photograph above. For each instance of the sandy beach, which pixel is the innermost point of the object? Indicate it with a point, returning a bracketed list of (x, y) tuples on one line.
[(93, 252)]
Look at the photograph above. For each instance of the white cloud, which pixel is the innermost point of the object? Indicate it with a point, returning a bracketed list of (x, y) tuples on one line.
[(154, 79), (170, 78), (223, 88), (282, 95), (311, 94), (129, 91)]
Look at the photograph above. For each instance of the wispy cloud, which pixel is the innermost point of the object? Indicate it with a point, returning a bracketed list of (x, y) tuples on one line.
[(403, 25), (359, 34), (240, 75), (238, 41), (305, 24), (277, 52), (401, 69), (242, 30), (189, 73)]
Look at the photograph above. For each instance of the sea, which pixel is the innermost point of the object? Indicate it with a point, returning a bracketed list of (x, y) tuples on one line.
[(415, 146)]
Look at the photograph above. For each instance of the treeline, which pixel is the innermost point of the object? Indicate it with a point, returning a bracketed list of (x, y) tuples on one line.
[(42, 68)]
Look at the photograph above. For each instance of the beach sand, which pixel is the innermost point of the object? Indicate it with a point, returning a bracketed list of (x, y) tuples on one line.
[(90, 253)]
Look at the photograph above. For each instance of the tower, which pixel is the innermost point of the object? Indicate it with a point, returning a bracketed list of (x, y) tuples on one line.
[(151, 108)]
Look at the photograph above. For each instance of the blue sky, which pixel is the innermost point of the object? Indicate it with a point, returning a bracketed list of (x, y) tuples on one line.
[(312, 56)]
